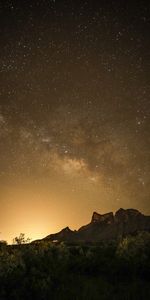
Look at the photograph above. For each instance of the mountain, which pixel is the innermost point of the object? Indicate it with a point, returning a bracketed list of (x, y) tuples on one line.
[(104, 227)]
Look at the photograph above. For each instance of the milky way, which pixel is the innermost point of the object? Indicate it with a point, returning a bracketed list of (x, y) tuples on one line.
[(74, 112)]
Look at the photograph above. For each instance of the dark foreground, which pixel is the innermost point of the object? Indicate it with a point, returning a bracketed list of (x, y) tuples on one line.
[(115, 270)]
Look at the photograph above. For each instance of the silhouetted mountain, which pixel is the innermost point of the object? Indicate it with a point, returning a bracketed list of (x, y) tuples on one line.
[(65, 234), (106, 227)]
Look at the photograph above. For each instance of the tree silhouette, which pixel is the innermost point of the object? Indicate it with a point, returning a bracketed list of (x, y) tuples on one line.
[(21, 239)]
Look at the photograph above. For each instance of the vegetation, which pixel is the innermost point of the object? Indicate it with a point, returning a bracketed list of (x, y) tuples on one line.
[(21, 239), (43, 271)]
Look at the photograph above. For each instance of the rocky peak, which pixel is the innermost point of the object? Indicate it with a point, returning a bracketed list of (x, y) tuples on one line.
[(108, 218), (95, 217), (126, 214), (66, 229)]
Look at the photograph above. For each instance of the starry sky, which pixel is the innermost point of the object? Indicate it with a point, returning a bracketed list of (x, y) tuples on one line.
[(74, 112)]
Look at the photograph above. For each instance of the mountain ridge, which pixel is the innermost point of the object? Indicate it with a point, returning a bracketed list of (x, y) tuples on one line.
[(105, 227)]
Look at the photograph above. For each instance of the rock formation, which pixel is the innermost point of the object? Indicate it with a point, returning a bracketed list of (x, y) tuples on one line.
[(104, 227)]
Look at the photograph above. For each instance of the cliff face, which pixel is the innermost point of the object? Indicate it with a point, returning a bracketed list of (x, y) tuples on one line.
[(130, 221), (106, 227), (108, 218)]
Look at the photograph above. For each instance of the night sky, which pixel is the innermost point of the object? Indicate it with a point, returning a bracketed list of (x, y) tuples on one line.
[(74, 112)]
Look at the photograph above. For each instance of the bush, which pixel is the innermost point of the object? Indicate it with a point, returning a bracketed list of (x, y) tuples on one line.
[(47, 271)]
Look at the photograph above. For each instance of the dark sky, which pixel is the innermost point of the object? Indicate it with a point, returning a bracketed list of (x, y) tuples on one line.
[(74, 112)]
